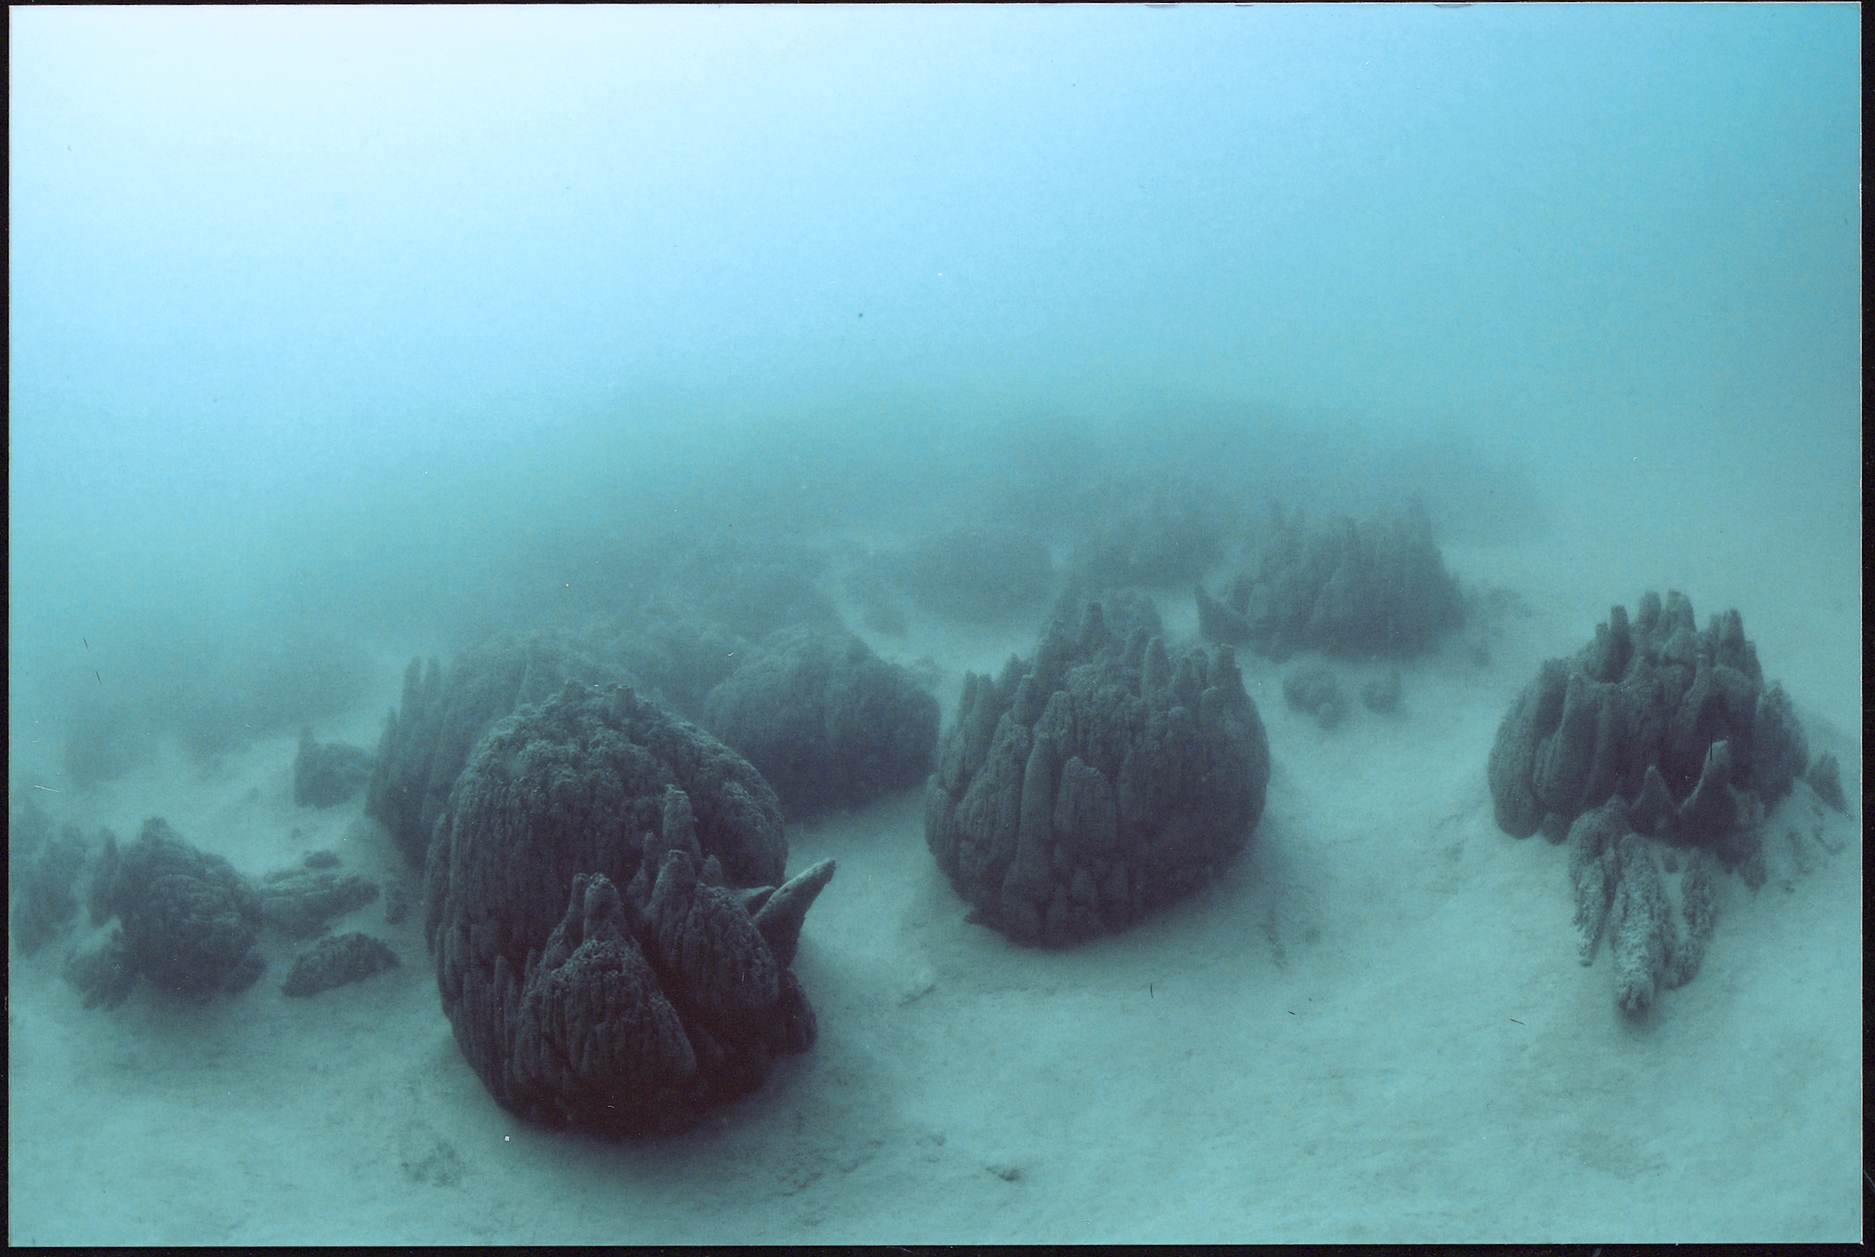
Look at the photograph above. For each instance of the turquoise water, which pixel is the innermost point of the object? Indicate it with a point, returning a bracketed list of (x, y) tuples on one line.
[(340, 335)]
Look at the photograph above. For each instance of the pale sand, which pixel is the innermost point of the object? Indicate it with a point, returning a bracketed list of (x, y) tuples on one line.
[(1373, 1028)]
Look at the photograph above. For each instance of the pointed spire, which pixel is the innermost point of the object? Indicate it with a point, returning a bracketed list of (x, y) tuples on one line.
[(779, 919)]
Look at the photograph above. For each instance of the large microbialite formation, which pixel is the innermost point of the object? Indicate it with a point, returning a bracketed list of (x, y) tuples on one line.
[(1148, 531), (1656, 746), (190, 923), (750, 587), (1079, 792), (427, 740), (1675, 721), (1349, 588), (443, 713), (676, 658), (187, 921), (611, 925), (826, 722), (327, 774), (43, 868)]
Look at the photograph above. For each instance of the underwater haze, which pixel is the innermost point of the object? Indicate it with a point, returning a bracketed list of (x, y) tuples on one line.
[(339, 336)]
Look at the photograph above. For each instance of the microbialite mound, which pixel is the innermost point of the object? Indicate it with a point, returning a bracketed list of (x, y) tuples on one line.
[(1656, 751), (1350, 588), (828, 723), (611, 927), (1676, 722), (1079, 792)]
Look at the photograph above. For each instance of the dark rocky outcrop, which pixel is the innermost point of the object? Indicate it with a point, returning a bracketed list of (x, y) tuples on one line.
[(43, 870), (1348, 588), (399, 793), (327, 774), (427, 740), (611, 925), (1381, 694), (826, 722), (1622, 883), (1657, 751), (745, 586), (189, 922), (337, 961), (1125, 609), (303, 901), (1675, 722), (1148, 530), (1103, 780), (1314, 689), (1825, 777), (104, 975)]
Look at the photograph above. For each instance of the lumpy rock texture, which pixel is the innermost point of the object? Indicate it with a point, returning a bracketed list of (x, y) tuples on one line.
[(189, 921), (427, 740), (1675, 722), (1104, 780), (302, 901), (43, 870), (337, 961), (828, 723), (611, 927), (329, 773), (1656, 751), (1348, 588), (1622, 882)]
